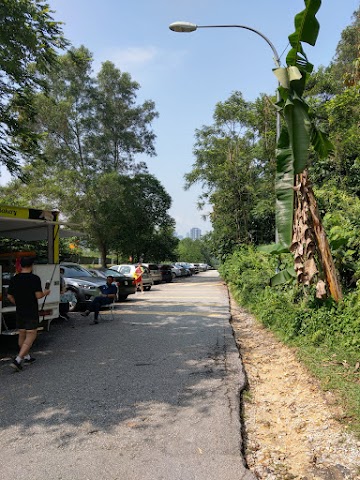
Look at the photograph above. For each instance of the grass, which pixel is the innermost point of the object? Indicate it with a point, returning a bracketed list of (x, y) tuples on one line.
[(338, 371)]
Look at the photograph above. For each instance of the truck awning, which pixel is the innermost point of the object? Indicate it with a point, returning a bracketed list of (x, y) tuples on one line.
[(33, 229)]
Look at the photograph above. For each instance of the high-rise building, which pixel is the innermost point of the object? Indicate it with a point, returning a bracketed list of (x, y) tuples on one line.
[(195, 233)]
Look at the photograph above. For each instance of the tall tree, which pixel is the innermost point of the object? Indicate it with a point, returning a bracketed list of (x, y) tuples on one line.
[(233, 168), (92, 124), (145, 218), (346, 64), (122, 127), (128, 215), (29, 38), (91, 127)]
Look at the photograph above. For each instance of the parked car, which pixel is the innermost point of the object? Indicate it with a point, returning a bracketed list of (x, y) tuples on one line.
[(154, 272), (176, 271), (125, 286), (187, 266), (203, 267), (129, 271), (194, 267), (184, 272), (80, 281), (166, 273)]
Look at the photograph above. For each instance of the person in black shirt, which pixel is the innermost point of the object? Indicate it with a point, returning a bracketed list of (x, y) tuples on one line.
[(24, 291), (108, 294)]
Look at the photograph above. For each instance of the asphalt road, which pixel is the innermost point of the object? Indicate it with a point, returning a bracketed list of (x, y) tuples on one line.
[(150, 394)]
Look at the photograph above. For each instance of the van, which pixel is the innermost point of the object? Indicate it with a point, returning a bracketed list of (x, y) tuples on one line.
[(154, 272)]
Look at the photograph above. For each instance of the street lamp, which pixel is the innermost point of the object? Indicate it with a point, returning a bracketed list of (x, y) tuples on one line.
[(188, 27)]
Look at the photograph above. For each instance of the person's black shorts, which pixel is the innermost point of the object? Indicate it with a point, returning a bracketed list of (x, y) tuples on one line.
[(27, 322)]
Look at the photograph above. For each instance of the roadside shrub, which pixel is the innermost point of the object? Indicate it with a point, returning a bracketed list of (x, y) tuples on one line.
[(292, 312)]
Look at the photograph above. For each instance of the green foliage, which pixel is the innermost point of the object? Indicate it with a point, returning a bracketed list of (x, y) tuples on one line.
[(345, 67), (293, 316), (194, 251), (234, 168), (307, 30), (29, 38), (342, 222), (91, 125), (92, 128), (299, 129)]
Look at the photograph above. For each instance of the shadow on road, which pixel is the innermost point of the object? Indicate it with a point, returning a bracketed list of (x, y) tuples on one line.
[(137, 371)]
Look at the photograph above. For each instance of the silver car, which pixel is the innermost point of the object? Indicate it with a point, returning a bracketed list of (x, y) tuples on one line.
[(80, 281), (154, 272)]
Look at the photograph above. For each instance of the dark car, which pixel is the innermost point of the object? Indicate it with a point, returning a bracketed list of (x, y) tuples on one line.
[(82, 282), (166, 273), (124, 285)]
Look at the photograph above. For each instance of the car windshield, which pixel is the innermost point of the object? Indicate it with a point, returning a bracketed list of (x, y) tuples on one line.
[(125, 269), (76, 271), (97, 273), (112, 273)]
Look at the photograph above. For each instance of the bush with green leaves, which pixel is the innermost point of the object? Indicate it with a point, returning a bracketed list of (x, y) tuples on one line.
[(293, 316)]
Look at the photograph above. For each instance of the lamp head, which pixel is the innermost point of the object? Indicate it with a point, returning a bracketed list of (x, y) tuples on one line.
[(183, 27)]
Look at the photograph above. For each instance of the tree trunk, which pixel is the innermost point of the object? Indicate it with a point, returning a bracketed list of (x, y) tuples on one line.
[(103, 252), (322, 242)]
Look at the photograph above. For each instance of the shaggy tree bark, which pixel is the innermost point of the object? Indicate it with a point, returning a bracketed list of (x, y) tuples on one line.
[(308, 237)]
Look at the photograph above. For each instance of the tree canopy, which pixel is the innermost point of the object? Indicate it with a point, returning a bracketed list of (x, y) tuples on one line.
[(29, 40), (235, 166)]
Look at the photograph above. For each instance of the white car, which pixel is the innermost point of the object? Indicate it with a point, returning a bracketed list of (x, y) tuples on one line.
[(129, 271)]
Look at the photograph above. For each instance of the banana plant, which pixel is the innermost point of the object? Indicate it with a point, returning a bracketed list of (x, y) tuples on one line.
[(297, 220)]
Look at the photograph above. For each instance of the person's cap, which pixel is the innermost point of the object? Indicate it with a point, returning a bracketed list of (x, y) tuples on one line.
[(27, 261)]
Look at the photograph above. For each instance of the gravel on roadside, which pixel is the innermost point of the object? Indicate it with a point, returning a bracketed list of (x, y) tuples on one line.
[(292, 427)]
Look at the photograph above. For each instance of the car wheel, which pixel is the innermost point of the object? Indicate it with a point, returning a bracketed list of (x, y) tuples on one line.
[(122, 298), (147, 288)]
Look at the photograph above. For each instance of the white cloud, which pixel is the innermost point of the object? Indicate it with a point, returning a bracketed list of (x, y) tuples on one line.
[(139, 59), (130, 58)]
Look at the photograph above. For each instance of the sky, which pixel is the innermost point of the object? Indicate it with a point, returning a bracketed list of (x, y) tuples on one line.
[(186, 74)]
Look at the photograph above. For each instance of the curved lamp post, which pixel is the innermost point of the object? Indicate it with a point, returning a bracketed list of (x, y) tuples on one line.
[(188, 27)]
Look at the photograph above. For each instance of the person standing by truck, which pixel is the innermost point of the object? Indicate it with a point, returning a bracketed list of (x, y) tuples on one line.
[(24, 292)]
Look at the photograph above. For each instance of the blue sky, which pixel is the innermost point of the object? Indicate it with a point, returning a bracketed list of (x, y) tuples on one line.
[(187, 74)]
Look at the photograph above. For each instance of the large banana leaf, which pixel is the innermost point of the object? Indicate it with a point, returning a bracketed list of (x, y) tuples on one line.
[(273, 248), (298, 124), (284, 189), (293, 147), (282, 277), (306, 30)]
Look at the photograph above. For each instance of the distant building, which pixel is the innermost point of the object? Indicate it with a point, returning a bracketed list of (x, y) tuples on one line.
[(195, 233)]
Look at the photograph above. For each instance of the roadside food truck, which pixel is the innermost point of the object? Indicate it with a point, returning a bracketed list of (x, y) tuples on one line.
[(29, 232)]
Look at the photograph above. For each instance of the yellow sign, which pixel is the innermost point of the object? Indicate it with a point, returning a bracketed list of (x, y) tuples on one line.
[(14, 212)]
